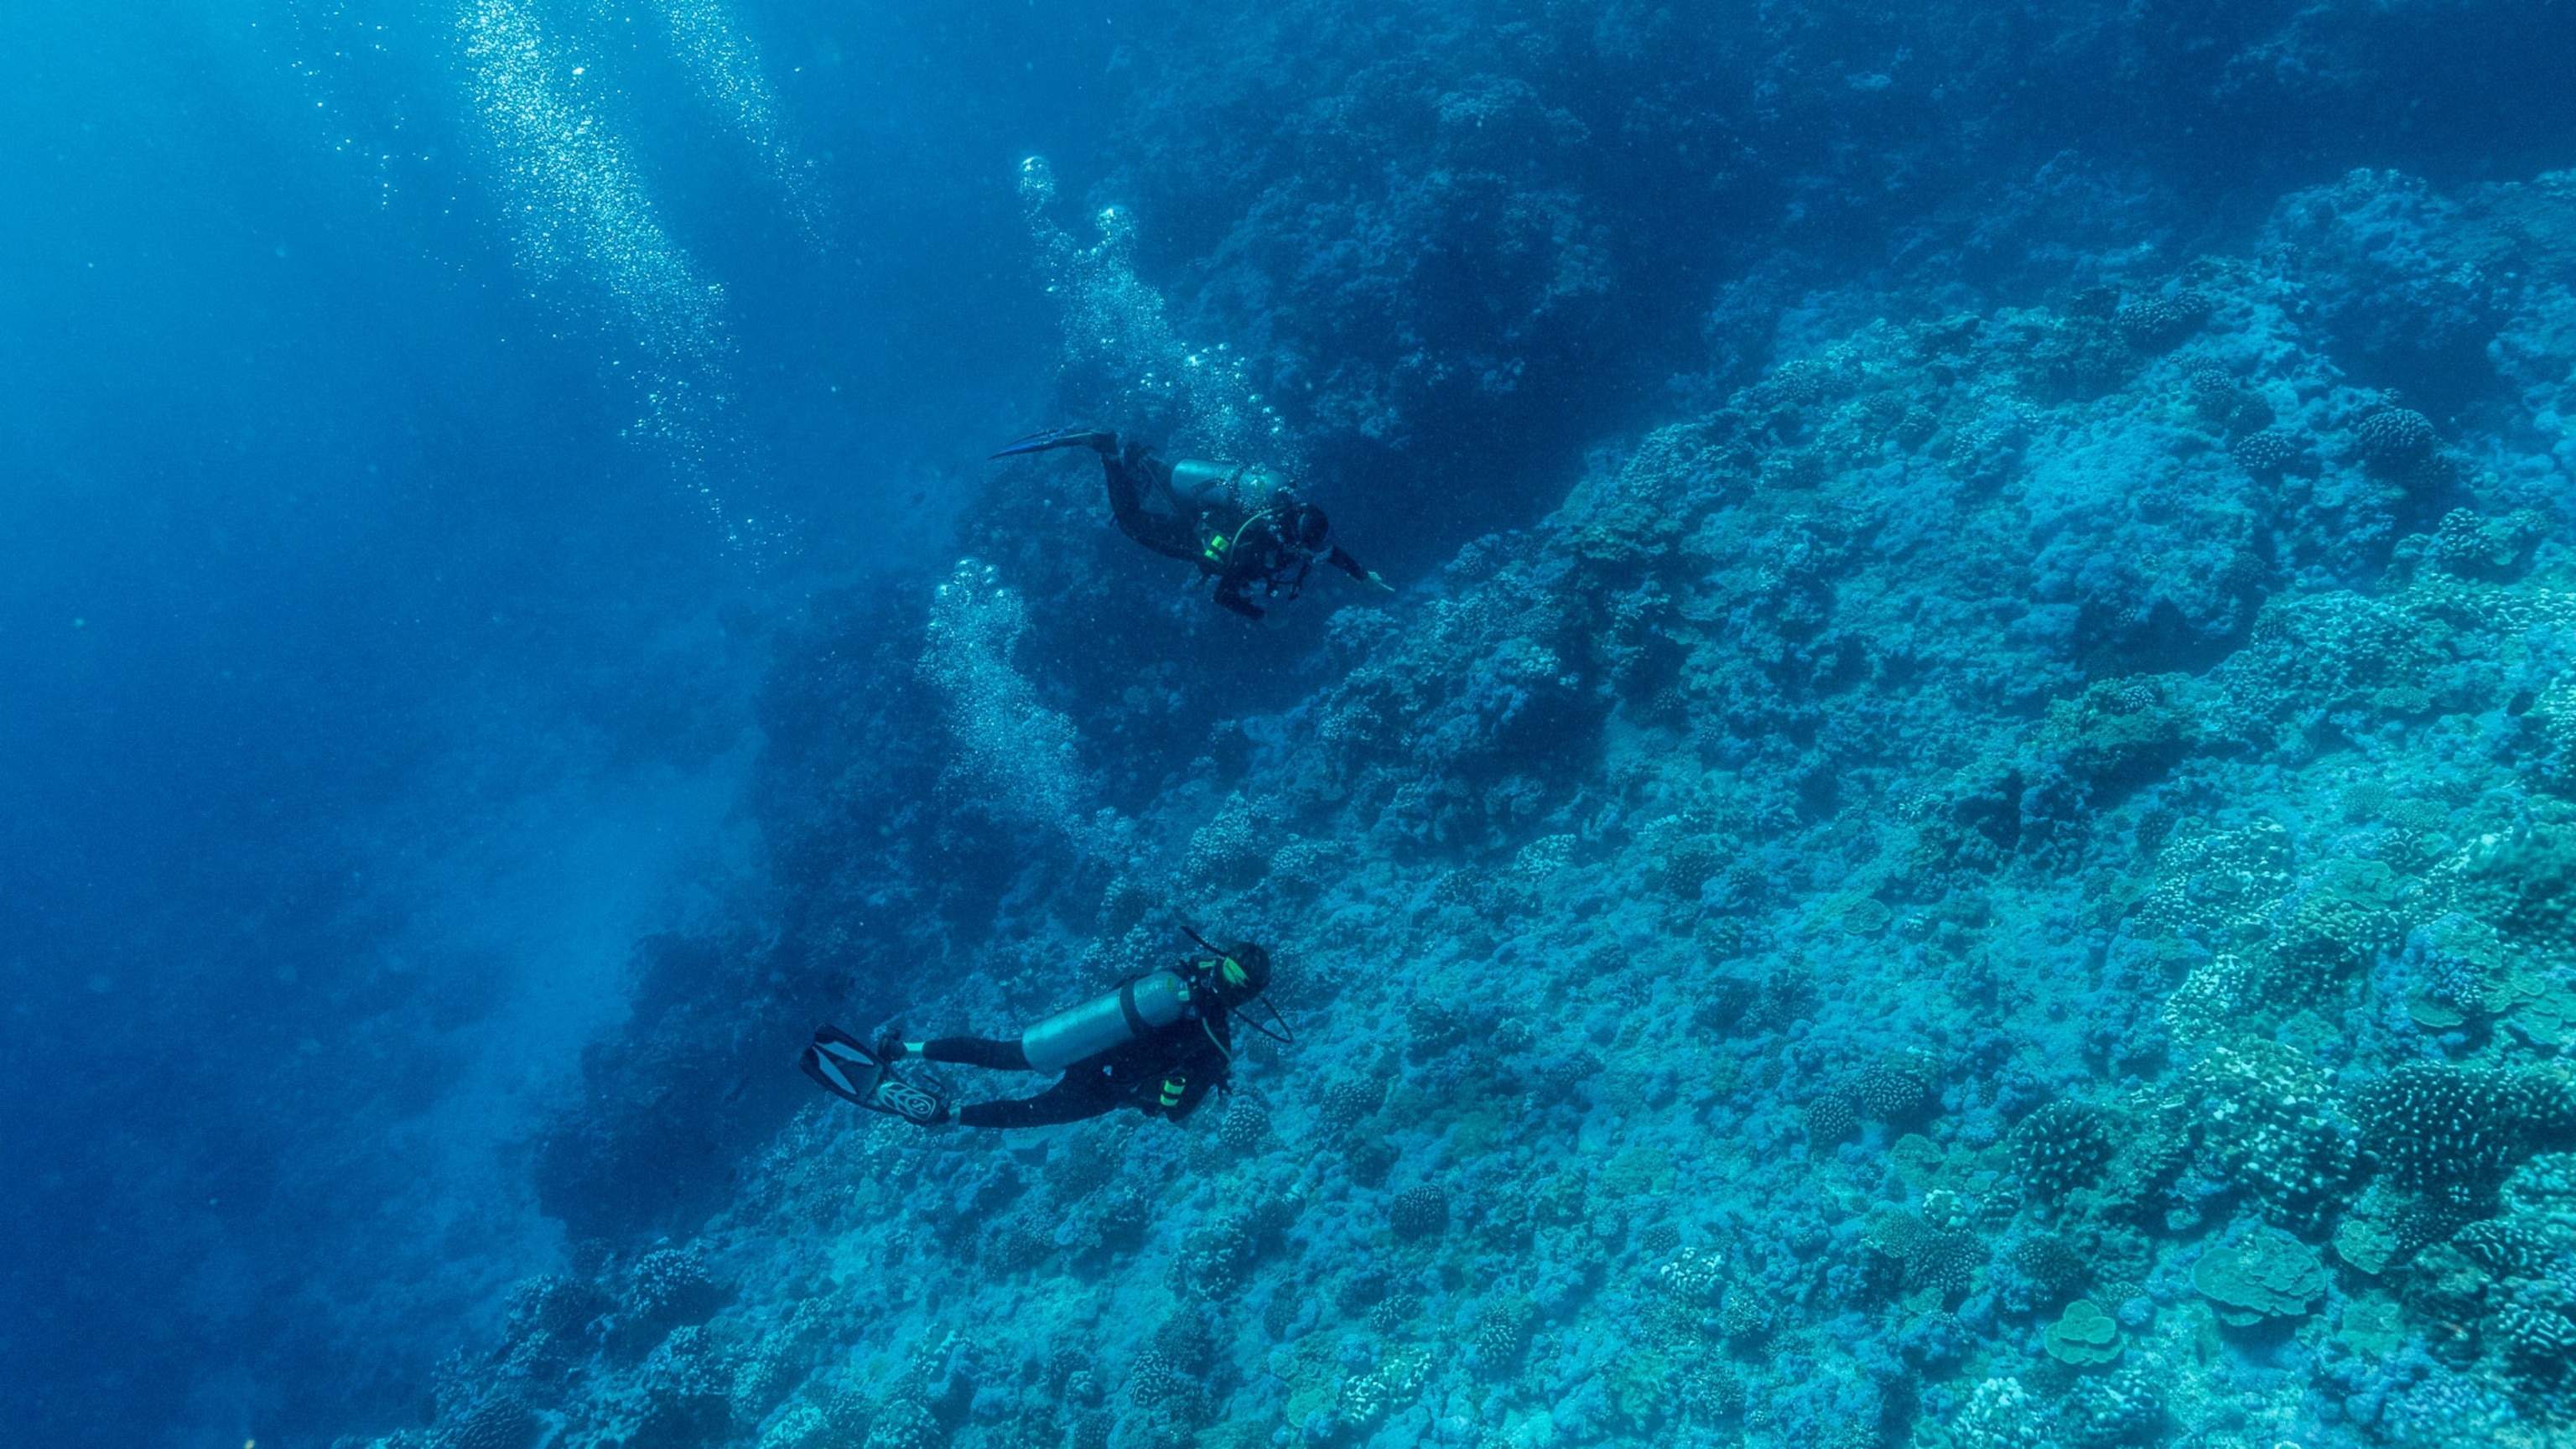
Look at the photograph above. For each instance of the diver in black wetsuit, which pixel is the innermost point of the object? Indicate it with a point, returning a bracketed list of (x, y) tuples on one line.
[(1239, 523), (1159, 1043)]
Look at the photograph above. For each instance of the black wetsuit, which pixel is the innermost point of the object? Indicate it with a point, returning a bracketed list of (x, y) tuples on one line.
[(1240, 541), (1162, 1074)]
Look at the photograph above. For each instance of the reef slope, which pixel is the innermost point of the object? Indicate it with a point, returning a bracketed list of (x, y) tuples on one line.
[(2010, 885)]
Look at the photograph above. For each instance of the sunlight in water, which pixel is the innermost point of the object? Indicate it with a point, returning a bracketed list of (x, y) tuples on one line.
[(579, 216), (725, 67)]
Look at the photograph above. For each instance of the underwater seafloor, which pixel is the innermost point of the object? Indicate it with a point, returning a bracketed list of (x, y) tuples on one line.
[(2010, 883)]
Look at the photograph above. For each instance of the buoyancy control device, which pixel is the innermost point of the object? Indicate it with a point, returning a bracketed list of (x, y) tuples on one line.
[(1113, 1020)]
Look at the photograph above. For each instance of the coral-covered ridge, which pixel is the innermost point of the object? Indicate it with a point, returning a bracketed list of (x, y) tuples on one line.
[(2010, 884)]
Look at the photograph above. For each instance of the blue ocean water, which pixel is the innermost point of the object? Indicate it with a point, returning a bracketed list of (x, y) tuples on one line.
[(1955, 831)]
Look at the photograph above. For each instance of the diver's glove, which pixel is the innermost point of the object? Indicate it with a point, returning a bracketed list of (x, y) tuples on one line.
[(1376, 582)]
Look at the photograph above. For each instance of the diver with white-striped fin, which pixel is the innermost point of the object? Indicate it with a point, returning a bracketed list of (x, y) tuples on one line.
[(1159, 1043)]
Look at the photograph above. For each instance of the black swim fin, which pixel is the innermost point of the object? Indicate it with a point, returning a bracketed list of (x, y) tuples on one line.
[(842, 1065), (1105, 444)]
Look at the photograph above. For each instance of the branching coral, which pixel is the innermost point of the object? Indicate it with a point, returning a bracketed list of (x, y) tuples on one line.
[(1899, 1088), (2116, 1410), (2060, 1147), (1941, 1261), (2054, 1269), (1419, 1212), (2337, 923), (2000, 1414), (2396, 438), (2157, 322), (499, 1421), (2211, 1002), (2269, 453), (2264, 1116), (2449, 1133), (2219, 880), (1832, 1117)]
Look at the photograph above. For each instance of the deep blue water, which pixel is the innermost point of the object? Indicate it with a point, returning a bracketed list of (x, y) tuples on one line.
[(371, 693), (474, 477)]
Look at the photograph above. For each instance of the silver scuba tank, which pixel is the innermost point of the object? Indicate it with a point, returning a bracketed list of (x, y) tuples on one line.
[(1103, 1022), (1246, 488)]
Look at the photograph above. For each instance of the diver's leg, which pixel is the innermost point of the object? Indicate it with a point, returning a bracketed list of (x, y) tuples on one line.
[(1081, 1095), (1137, 478), (1126, 492), (977, 1051)]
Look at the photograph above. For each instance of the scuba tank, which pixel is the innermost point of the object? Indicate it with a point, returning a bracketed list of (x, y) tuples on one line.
[(1246, 488), (1097, 1025)]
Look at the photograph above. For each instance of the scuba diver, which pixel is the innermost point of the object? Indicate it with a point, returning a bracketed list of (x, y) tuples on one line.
[(1159, 1043), (1239, 523)]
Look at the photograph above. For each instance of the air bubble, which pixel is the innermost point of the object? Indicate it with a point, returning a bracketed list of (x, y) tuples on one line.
[(583, 218), (727, 70), (1118, 339)]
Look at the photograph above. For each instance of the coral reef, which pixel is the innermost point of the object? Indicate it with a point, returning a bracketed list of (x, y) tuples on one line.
[(2449, 1133), (2266, 1274), (2005, 884), (2061, 1147), (2395, 439), (2084, 1336)]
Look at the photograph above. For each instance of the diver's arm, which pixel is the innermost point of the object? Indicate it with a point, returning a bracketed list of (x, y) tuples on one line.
[(1342, 560), (1199, 1073), (1229, 592), (1207, 1057)]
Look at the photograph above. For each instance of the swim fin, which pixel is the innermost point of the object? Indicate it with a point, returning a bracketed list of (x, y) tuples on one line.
[(847, 1069), (1105, 444)]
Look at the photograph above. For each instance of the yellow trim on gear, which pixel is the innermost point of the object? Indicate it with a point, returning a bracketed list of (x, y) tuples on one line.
[(1220, 549)]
